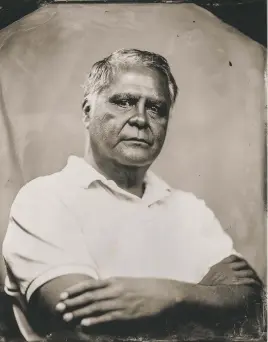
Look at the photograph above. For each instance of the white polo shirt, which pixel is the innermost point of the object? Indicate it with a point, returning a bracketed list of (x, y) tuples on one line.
[(77, 221)]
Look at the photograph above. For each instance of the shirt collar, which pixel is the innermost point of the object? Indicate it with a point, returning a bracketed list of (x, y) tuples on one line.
[(81, 173), (78, 171), (156, 188)]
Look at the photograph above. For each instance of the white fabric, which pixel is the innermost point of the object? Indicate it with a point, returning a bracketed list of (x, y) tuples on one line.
[(77, 221)]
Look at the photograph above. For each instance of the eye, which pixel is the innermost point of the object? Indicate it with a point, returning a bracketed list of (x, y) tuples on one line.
[(158, 110), (125, 103), (155, 109)]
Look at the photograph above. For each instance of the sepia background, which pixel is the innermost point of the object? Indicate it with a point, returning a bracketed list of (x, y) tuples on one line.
[(215, 145)]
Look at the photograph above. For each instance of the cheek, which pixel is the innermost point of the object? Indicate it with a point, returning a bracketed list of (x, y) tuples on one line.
[(104, 128), (159, 130)]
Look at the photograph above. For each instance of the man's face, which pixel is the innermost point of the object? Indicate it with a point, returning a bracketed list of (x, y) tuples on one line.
[(128, 120)]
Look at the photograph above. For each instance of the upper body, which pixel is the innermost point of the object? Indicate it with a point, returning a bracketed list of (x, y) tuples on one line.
[(77, 221), (106, 240)]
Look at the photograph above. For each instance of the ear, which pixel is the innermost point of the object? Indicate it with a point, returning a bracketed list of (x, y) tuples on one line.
[(86, 112)]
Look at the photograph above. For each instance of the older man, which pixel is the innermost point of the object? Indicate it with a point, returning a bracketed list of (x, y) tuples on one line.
[(106, 240)]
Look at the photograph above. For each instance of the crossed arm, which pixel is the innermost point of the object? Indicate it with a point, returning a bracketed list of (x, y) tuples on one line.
[(230, 292)]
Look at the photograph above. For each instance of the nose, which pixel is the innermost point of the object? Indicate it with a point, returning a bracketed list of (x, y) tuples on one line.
[(140, 118)]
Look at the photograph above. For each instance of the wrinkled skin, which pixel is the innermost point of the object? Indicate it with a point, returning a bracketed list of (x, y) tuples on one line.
[(127, 121)]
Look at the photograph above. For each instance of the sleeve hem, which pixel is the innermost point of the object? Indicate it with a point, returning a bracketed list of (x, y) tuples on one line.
[(57, 272)]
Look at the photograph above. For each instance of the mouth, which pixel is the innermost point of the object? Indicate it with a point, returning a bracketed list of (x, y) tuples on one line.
[(138, 141)]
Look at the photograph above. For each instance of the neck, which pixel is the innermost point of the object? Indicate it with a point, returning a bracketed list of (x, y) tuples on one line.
[(129, 178)]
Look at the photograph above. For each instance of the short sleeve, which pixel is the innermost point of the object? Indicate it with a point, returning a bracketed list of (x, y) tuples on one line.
[(43, 240), (213, 244)]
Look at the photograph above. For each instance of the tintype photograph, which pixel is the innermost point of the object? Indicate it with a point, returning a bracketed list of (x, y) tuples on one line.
[(133, 171)]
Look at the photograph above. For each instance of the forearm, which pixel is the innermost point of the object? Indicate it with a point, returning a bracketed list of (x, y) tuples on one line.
[(134, 306), (217, 308), (229, 298)]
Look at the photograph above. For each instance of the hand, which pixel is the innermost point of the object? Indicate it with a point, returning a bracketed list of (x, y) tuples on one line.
[(117, 299), (231, 271)]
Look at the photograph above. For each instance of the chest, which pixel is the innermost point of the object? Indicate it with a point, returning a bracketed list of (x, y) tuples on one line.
[(130, 238)]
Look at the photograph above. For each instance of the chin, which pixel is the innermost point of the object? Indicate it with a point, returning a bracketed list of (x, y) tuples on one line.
[(135, 160), (138, 156)]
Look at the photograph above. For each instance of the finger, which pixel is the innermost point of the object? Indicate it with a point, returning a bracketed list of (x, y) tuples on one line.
[(91, 284), (247, 281), (231, 258), (108, 317), (249, 274), (87, 298), (239, 265), (91, 309), (245, 274)]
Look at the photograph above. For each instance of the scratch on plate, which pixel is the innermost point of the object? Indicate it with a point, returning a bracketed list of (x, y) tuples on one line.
[(21, 29)]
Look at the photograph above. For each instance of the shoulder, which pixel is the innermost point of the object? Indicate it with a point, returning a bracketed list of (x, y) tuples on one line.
[(190, 208), (39, 208), (187, 199), (37, 191), (197, 215)]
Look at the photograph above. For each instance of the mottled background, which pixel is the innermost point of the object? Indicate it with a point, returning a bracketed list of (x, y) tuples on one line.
[(248, 16), (215, 144)]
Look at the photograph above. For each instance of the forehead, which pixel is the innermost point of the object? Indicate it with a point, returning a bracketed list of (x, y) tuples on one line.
[(140, 81)]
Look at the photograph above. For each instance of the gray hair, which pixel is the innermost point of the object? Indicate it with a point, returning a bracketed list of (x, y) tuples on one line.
[(102, 72)]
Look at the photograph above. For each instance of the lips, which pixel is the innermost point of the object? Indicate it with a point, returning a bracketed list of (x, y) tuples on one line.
[(138, 140)]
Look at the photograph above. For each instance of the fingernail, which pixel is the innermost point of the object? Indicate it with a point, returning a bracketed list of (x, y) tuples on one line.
[(86, 321), (60, 307), (64, 295), (68, 316)]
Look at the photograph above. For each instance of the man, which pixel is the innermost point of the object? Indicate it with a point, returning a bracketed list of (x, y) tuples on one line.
[(105, 240)]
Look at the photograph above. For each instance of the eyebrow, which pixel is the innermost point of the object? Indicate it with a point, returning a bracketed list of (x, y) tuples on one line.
[(120, 96)]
